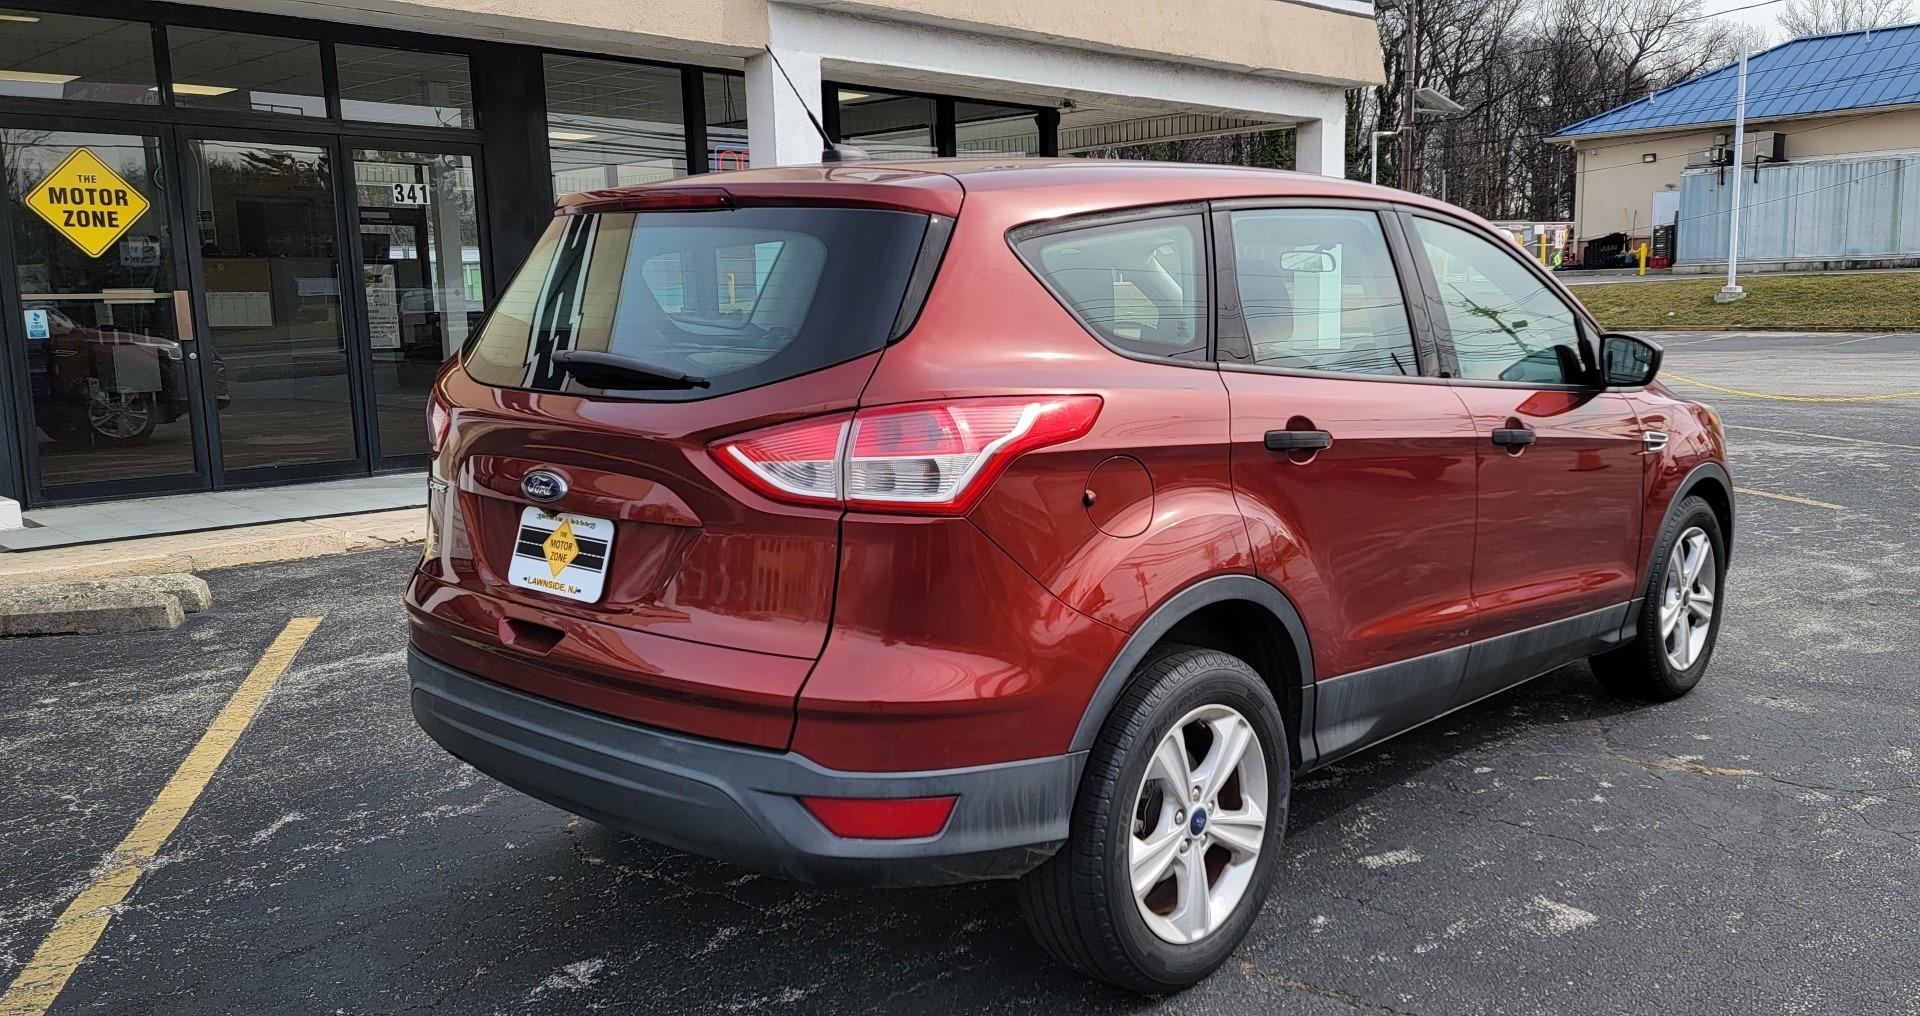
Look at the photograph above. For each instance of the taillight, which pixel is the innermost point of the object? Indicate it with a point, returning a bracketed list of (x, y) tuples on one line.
[(932, 458), (439, 421)]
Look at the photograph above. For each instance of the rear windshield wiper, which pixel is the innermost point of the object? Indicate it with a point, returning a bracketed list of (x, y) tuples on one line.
[(611, 370)]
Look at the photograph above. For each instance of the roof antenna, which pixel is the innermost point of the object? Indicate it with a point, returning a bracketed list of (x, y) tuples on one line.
[(831, 150)]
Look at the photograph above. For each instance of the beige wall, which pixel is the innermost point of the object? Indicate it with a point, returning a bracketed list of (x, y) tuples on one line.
[(1260, 36), (1614, 190)]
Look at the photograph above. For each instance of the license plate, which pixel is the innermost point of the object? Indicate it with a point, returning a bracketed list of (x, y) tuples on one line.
[(562, 554)]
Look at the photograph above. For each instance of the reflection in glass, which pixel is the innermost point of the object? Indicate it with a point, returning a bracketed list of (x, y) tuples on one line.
[(987, 129), (726, 121), (57, 56), (266, 231), (404, 86), (610, 124), (108, 375), (236, 71), (888, 126), (419, 235)]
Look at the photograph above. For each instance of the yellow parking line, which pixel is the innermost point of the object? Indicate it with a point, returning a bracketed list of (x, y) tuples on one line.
[(79, 927), (1810, 502), (1825, 437), (1883, 397)]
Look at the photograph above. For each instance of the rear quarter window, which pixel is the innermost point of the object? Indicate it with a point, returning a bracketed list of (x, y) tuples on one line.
[(1139, 285), (740, 297)]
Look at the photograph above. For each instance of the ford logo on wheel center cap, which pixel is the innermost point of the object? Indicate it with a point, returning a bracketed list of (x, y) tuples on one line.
[(541, 485), (1198, 824)]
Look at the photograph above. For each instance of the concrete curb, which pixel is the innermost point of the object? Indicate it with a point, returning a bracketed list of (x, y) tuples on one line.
[(101, 606), (222, 548)]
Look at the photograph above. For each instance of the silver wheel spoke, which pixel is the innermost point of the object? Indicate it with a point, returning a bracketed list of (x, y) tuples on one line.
[(1230, 741), (1170, 766), (1151, 858), (1242, 832), (1195, 916), (1669, 616)]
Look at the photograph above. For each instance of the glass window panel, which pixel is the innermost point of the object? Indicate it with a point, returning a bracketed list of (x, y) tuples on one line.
[(236, 71), (57, 56), (988, 129), (1320, 293), (610, 124), (726, 121), (112, 398), (887, 126), (1507, 325), (265, 225), (1142, 286), (419, 241), (404, 86)]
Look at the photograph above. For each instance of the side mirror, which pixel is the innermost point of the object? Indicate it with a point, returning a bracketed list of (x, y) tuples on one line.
[(1627, 361)]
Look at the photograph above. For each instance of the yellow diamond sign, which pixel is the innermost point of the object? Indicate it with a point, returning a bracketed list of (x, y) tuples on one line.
[(561, 548), (84, 200)]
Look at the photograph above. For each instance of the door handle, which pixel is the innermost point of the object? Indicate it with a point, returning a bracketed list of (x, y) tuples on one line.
[(1513, 437), (1298, 440)]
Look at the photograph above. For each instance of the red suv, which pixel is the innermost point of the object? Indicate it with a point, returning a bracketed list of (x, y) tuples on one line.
[(912, 523)]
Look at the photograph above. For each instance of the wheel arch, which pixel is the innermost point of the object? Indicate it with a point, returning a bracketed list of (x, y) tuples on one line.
[(1238, 614), (1709, 481)]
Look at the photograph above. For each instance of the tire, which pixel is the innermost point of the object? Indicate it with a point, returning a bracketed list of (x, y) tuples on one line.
[(1081, 905), (1650, 666)]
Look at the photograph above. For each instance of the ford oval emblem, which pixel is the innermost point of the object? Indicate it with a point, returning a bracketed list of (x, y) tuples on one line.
[(543, 486)]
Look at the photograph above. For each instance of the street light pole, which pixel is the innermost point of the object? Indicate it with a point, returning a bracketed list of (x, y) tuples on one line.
[(1373, 175), (1732, 291), (1410, 66)]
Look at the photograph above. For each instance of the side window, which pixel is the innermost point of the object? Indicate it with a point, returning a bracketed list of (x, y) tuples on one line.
[(1319, 292), (1507, 325), (1139, 285)]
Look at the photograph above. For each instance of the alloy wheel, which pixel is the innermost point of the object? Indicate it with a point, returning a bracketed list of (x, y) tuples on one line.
[(1686, 600), (1199, 824)]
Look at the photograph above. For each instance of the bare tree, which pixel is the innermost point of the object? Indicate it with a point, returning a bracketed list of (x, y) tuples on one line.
[(1819, 17)]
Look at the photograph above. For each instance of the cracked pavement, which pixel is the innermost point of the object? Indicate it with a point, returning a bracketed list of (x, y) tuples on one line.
[(1754, 847)]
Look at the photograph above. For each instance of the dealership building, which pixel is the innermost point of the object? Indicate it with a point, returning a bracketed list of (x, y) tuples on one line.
[(239, 238)]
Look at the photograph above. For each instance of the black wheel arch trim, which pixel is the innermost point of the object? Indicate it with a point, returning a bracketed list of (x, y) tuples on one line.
[(1688, 485), (1176, 608)]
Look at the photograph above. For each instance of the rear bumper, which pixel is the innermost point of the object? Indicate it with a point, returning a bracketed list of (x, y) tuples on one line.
[(737, 804)]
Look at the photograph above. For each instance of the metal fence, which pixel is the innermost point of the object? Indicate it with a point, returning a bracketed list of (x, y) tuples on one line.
[(1818, 211)]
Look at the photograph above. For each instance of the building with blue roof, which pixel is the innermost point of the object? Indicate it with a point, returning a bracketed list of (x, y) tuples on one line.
[(1820, 109)]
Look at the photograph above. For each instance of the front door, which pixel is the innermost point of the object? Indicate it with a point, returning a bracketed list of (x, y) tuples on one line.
[(1559, 458), (1353, 465), (102, 354)]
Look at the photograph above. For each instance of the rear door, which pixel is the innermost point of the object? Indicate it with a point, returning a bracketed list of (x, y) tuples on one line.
[(1352, 462), (1559, 458)]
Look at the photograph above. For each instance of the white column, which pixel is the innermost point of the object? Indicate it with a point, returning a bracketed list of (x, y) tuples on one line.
[(778, 130), (10, 514), (1320, 146)]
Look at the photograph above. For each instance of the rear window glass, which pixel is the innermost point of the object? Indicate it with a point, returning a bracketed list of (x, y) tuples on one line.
[(739, 297)]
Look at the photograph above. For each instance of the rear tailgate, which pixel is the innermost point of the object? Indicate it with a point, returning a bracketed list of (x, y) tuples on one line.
[(675, 595)]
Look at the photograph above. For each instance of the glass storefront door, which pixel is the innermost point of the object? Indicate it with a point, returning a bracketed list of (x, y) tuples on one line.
[(110, 369), (418, 227), (266, 225)]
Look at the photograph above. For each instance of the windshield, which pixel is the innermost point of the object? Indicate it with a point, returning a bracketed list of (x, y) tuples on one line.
[(738, 297)]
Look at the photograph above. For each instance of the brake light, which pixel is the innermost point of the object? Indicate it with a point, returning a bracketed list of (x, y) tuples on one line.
[(929, 458), (900, 818), (439, 422)]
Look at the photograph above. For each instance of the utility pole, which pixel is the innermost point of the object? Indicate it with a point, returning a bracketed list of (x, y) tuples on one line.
[(1409, 178), (1732, 291)]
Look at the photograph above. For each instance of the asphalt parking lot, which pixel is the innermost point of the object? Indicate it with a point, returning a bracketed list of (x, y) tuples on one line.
[(1753, 848)]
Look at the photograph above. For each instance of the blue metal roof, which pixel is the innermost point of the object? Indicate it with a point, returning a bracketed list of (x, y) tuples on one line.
[(1817, 74)]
